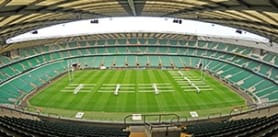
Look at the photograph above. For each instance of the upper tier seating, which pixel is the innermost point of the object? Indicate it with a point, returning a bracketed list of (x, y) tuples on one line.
[(26, 52)]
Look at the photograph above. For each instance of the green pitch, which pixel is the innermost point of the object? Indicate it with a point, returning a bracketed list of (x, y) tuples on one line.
[(139, 91)]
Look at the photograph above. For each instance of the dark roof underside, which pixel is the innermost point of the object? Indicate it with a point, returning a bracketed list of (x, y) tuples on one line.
[(257, 16)]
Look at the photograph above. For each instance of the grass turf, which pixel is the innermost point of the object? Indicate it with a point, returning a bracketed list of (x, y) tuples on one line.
[(220, 99)]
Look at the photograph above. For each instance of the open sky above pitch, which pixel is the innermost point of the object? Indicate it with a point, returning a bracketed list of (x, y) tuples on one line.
[(137, 24)]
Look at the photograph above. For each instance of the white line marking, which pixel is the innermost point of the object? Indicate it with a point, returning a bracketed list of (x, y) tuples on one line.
[(79, 90)]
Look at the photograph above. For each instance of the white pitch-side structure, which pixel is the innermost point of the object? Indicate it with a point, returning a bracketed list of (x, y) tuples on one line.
[(116, 92), (77, 89), (181, 74), (156, 91), (192, 84)]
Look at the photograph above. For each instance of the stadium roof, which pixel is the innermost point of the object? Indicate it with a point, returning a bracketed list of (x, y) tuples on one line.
[(257, 16)]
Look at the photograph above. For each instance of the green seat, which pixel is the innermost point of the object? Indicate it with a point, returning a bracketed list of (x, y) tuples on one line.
[(8, 71), (151, 49), (202, 44), (251, 81), (182, 42), (132, 49), (163, 50), (122, 49), (131, 60), (142, 60), (132, 41), (120, 61), (163, 41), (165, 61), (264, 89), (273, 96), (177, 61), (221, 46), (268, 57), (108, 61), (100, 42), (97, 61), (142, 41), (152, 41), (212, 45), (3, 77), (240, 76), (82, 43), (91, 43), (122, 41), (111, 41), (100, 50), (191, 43), (74, 53), (4, 60), (274, 74), (173, 42), (72, 44), (154, 61)]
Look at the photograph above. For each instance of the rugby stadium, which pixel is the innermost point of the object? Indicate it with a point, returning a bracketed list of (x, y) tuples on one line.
[(139, 83)]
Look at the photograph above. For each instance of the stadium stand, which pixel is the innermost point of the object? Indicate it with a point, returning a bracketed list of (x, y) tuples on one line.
[(4, 60), (38, 66), (13, 90), (28, 128), (260, 127), (250, 66), (225, 52)]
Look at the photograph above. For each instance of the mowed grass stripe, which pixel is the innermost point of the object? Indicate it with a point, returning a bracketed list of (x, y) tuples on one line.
[(130, 103), (161, 97), (108, 101), (222, 96), (142, 97), (220, 90), (116, 78), (154, 100), (150, 103), (203, 98), (87, 98), (91, 98), (138, 102), (46, 98), (77, 101), (101, 98), (167, 99), (179, 96)]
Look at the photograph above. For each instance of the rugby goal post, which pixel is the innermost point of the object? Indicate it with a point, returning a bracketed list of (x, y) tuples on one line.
[(70, 69)]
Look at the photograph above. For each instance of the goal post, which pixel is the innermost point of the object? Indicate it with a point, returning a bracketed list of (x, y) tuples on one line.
[(203, 68), (69, 71)]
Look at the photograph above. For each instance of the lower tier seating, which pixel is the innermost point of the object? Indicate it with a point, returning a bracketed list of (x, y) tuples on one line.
[(245, 80), (13, 90), (265, 126), (16, 68), (28, 128)]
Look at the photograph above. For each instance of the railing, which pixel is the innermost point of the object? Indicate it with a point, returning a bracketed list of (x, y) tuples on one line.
[(170, 118), (158, 118)]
